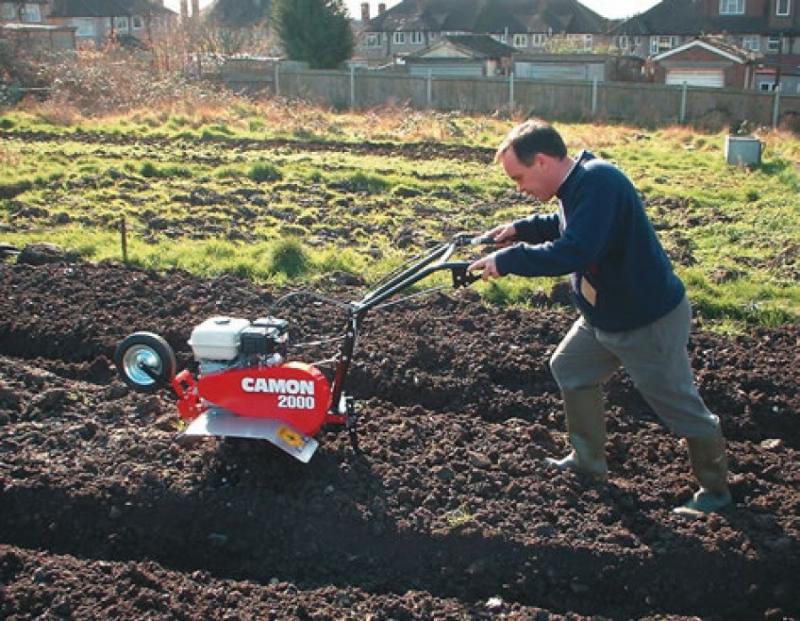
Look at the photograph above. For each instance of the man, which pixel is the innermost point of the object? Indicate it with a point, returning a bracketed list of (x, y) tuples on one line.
[(634, 310)]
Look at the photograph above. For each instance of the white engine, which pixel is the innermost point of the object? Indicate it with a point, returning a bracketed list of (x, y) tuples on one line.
[(221, 343)]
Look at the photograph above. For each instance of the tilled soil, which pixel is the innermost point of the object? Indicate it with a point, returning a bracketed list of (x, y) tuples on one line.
[(448, 512)]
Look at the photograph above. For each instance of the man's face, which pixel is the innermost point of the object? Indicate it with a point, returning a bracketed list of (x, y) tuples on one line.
[(533, 179)]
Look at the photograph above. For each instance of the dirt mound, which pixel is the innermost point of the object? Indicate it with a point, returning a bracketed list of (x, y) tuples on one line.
[(448, 513)]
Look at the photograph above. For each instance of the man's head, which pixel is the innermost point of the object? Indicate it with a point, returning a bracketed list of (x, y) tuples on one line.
[(534, 155)]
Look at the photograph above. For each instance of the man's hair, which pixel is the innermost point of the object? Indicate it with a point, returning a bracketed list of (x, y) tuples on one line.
[(532, 137)]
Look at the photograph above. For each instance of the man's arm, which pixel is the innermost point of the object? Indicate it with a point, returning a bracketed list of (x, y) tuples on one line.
[(538, 229), (589, 227)]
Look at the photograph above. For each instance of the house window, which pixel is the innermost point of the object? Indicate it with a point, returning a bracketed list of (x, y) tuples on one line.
[(85, 26), (623, 42), (417, 38), (399, 38), (520, 40), (588, 42), (731, 7), (783, 8), (751, 42), (538, 40), (774, 45), (7, 11), (137, 23), (121, 24), (766, 86), (663, 44), (374, 39), (31, 13), (500, 37)]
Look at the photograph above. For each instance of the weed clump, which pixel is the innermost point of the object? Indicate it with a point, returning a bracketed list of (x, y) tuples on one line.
[(264, 172), (148, 169), (363, 182), (290, 258)]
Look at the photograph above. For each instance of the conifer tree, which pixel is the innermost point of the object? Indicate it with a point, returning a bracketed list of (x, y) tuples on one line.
[(315, 31)]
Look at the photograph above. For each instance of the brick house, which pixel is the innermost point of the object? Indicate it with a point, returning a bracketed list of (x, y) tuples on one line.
[(768, 28), (96, 21), (526, 25)]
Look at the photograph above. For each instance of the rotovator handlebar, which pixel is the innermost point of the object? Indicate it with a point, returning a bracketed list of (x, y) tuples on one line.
[(245, 389)]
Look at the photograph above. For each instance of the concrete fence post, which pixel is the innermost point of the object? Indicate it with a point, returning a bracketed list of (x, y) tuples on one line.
[(776, 107), (429, 88), (684, 96), (511, 90), (277, 78), (594, 96), (352, 87)]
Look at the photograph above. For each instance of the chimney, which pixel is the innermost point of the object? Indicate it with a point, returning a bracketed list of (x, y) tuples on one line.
[(381, 8), (184, 10), (365, 12), (195, 9)]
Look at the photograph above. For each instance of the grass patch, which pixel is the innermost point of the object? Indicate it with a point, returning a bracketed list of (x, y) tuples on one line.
[(733, 230)]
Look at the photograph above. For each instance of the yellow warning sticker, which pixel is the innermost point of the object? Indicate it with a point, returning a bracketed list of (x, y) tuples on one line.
[(292, 438)]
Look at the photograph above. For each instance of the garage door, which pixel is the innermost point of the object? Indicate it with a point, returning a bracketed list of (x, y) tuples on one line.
[(712, 78)]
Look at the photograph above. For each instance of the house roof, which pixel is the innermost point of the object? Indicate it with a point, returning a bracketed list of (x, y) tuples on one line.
[(687, 17), (107, 8), (713, 45), (490, 16), (476, 46)]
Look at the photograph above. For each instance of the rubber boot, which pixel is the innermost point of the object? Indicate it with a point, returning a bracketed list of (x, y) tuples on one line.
[(710, 466), (586, 426)]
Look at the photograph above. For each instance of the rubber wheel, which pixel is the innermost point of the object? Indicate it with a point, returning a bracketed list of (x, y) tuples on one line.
[(145, 348)]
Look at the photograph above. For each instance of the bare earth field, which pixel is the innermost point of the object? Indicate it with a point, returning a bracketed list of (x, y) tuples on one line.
[(449, 512)]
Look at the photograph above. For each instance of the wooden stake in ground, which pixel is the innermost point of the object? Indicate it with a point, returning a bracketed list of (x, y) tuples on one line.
[(123, 233)]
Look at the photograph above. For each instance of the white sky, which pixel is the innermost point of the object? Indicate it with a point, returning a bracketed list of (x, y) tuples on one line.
[(606, 8)]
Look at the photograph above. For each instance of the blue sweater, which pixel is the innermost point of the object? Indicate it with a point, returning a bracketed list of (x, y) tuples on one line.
[(621, 277)]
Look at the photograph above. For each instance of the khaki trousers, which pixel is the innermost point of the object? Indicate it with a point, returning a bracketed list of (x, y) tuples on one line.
[(655, 357)]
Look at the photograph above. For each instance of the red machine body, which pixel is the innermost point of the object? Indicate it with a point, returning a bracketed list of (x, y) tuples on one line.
[(294, 393)]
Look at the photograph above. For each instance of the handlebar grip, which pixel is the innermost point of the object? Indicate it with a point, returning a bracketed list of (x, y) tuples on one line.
[(485, 240)]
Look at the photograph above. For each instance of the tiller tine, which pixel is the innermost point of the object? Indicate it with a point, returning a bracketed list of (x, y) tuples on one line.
[(216, 423)]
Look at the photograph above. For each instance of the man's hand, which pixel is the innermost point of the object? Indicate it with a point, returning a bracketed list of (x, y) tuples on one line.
[(503, 235), (487, 265)]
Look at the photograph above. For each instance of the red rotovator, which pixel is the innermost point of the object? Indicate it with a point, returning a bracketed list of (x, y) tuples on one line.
[(245, 387)]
